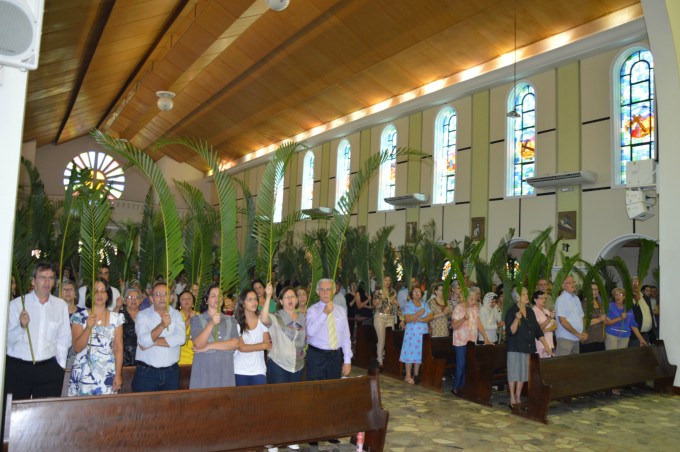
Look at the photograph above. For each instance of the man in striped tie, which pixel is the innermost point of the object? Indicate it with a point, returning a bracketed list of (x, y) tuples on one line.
[(330, 350)]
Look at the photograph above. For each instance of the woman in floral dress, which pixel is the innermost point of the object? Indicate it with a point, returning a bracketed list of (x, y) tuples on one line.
[(441, 313), (98, 342), (416, 315)]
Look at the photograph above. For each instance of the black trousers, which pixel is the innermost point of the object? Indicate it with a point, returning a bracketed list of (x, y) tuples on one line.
[(25, 380), (323, 364)]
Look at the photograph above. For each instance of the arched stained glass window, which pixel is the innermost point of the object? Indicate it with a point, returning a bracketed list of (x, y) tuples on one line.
[(634, 109), (105, 172), (307, 181), (388, 170), (444, 156), (278, 207), (343, 170), (521, 140)]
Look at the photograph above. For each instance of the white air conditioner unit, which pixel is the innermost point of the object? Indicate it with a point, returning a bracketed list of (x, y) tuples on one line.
[(638, 203), (556, 180), (641, 174), (20, 32), (318, 212), (412, 200)]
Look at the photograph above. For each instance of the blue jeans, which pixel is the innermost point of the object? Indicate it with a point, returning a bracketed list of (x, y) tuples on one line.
[(149, 378), (459, 381), (323, 364), (276, 374), (250, 380)]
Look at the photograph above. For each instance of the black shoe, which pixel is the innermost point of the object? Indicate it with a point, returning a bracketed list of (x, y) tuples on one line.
[(334, 441)]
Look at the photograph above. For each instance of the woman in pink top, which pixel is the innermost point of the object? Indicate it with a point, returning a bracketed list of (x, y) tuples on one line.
[(545, 320), (466, 325)]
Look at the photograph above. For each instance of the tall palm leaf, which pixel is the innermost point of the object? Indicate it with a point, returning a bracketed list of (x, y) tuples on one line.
[(647, 248), (316, 264), (126, 239), (249, 256), (95, 215), (69, 227), (347, 203), (376, 253), (147, 241), (39, 214), (268, 233), (499, 258), (22, 265), (171, 228), (430, 258)]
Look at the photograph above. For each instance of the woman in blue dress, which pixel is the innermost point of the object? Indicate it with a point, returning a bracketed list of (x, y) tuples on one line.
[(417, 315), (98, 342)]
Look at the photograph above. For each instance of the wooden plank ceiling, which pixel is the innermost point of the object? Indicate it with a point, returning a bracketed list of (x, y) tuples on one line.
[(247, 77)]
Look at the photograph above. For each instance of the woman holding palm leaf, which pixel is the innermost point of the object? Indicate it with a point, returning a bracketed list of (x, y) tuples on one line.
[(213, 365)]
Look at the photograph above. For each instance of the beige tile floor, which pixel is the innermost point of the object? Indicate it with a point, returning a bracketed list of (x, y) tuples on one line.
[(422, 420)]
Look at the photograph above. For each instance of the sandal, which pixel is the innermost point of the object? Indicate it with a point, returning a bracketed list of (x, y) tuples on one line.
[(410, 381)]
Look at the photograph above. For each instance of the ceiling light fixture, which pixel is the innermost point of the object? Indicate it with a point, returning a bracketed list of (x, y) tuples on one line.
[(277, 5), (165, 102), (513, 113)]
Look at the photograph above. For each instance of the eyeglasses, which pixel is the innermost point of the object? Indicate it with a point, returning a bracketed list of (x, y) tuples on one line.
[(46, 278), (67, 290), (288, 297), (133, 297), (159, 294), (325, 289)]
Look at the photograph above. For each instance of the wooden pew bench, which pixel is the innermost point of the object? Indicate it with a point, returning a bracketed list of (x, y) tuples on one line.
[(485, 367), (237, 418), (391, 364), (365, 346), (566, 376), (438, 356)]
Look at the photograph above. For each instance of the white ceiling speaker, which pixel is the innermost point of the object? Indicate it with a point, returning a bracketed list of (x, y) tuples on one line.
[(277, 5), (165, 102), (20, 31)]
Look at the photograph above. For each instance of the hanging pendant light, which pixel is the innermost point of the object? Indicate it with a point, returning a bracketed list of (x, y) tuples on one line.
[(513, 113)]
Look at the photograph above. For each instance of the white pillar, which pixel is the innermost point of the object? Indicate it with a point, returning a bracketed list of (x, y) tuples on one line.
[(12, 104), (662, 19)]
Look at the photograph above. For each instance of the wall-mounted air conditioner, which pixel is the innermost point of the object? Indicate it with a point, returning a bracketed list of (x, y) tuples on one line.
[(556, 180), (412, 200), (318, 212)]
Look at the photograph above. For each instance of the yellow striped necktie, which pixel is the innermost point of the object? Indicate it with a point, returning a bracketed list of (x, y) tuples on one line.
[(332, 334)]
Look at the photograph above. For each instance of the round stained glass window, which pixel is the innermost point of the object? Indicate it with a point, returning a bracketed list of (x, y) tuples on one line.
[(107, 174)]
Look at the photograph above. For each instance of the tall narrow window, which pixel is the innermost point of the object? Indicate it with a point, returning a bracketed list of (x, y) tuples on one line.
[(278, 207), (634, 110), (307, 181), (388, 170), (444, 156), (344, 168), (521, 140)]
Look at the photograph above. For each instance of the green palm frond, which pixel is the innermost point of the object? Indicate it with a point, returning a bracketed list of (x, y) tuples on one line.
[(347, 203), (69, 227), (484, 276), (268, 233), (408, 259), (226, 195), (316, 265), (94, 216), (171, 227), (376, 253), (499, 258), (456, 258), (198, 235), (147, 240), (532, 263), (647, 248), (550, 254), (125, 239), (39, 214), (249, 256), (22, 268), (592, 275), (568, 264), (430, 258)]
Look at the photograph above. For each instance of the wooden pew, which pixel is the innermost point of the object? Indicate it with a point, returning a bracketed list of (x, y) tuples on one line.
[(566, 376), (485, 366), (365, 347), (237, 418), (393, 341), (438, 355)]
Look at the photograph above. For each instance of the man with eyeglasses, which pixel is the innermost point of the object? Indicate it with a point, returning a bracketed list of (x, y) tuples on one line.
[(160, 334), (46, 318), (117, 301)]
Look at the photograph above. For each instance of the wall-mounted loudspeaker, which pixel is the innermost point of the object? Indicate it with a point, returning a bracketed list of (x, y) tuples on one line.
[(20, 30)]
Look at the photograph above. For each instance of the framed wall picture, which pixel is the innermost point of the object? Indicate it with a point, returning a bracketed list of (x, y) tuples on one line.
[(566, 225), (478, 228)]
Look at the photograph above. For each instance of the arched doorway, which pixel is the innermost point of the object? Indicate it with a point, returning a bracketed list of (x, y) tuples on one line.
[(628, 248)]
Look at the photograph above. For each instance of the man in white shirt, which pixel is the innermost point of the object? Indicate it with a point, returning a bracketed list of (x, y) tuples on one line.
[(569, 313), (104, 274), (46, 318), (160, 334)]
